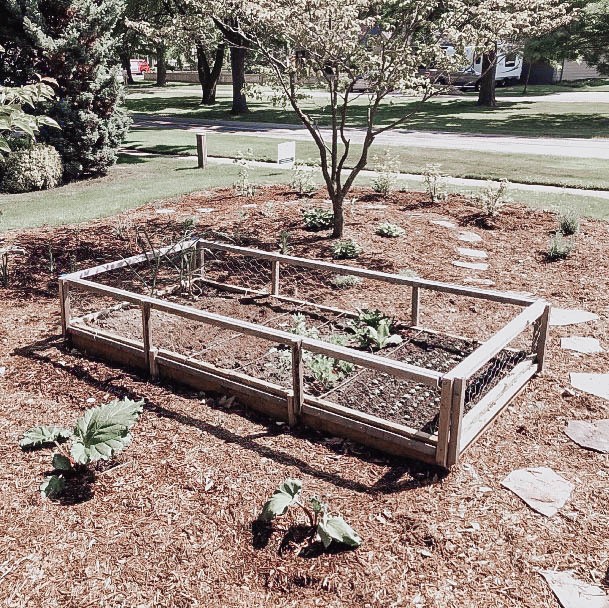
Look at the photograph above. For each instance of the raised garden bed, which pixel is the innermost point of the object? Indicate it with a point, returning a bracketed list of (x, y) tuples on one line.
[(259, 325)]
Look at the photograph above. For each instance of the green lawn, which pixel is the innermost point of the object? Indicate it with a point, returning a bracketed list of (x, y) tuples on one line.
[(529, 169), (542, 117), (138, 180)]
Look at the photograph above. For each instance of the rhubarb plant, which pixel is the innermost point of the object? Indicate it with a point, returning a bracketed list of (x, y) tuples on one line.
[(373, 329), (324, 527), (99, 434)]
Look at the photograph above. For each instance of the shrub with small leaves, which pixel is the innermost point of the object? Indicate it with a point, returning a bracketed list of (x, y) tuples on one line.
[(559, 248), (323, 526), (302, 179), (284, 242), (35, 168), (243, 186), (568, 222), (387, 166), (346, 249), (99, 434), (435, 183), (345, 281), (492, 199), (317, 219), (389, 230)]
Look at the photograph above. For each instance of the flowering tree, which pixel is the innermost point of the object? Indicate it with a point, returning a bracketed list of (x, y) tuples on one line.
[(334, 44)]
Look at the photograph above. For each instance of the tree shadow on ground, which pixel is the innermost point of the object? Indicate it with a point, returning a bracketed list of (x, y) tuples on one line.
[(403, 474)]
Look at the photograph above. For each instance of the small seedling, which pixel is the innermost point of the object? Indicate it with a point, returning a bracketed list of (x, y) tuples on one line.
[(346, 249), (99, 434), (302, 179), (284, 242), (243, 186), (435, 183), (317, 219), (568, 223), (389, 230), (299, 327), (388, 170), (323, 526), (492, 200), (559, 248), (345, 281)]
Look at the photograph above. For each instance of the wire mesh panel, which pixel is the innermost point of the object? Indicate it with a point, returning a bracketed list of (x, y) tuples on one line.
[(237, 270)]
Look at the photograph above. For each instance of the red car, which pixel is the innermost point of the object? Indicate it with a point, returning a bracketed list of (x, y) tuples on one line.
[(139, 66)]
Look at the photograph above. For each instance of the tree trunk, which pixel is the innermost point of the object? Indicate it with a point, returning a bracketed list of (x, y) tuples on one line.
[(486, 96), (338, 202), (161, 66), (237, 64), (126, 65), (526, 80), (208, 77)]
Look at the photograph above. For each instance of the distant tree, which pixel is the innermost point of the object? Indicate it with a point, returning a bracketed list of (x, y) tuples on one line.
[(72, 42)]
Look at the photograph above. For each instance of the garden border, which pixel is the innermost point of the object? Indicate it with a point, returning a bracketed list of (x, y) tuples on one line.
[(456, 430)]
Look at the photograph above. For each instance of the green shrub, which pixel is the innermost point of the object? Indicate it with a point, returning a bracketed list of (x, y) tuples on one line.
[(435, 183), (387, 166), (389, 230), (36, 168), (492, 200), (318, 219), (559, 247), (346, 249), (344, 281), (302, 179), (568, 222)]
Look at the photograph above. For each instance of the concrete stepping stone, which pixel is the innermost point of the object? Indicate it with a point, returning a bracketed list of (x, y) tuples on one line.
[(574, 593), (540, 487), (590, 434), (375, 206), (471, 265), (568, 316), (472, 253), (165, 211), (580, 344), (479, 281), (444, 223), (469, 237), (205, 210), (595, 384)]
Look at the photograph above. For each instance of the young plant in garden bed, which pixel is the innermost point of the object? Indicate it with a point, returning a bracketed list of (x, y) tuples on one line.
[(345, 281), (346, 249), (322, 525), (389, 230), (99, 434), (373, 329), (317, 219), (559, 248)]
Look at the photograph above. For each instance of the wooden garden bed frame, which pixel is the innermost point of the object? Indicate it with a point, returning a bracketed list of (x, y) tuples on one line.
[(456, 430)]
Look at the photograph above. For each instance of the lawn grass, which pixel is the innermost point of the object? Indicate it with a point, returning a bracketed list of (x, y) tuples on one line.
[(538, 118), (139, 180), (519, 168)]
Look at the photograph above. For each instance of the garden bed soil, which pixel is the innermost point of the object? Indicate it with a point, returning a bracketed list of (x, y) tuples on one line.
[(173, 523)]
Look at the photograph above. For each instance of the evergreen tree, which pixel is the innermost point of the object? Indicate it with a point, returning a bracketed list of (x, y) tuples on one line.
[(71, 41)]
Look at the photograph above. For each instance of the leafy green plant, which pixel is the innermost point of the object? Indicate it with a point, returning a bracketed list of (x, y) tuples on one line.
[(317, 219), (346, 249), (300, 328), (243, 186), (302, 179), (38, 167), (559, 248), (492, 199), (389, 230), (387, 166), (344, 281), (323, 370), (435, 183), (99, 434), (323, 526), (568, 222), (373, 329)]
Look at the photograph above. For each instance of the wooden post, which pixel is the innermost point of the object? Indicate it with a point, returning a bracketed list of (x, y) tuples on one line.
[(456, 419), (64, 297), (444, 417), (541, 330), (201, 259), (297, 383), (416, 301), (202, 150), (275, 278), (149, 350)]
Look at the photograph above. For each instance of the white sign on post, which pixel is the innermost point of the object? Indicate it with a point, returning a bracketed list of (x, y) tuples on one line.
[(286, 153)]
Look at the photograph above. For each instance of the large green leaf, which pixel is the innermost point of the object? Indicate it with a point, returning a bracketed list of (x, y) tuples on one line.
[(103, 431), (52, 486), (41, 435), (337, 529), (282, 498), (61, 463)]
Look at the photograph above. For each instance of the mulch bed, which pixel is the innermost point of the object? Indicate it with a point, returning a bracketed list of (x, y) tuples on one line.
[(173, 524)]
